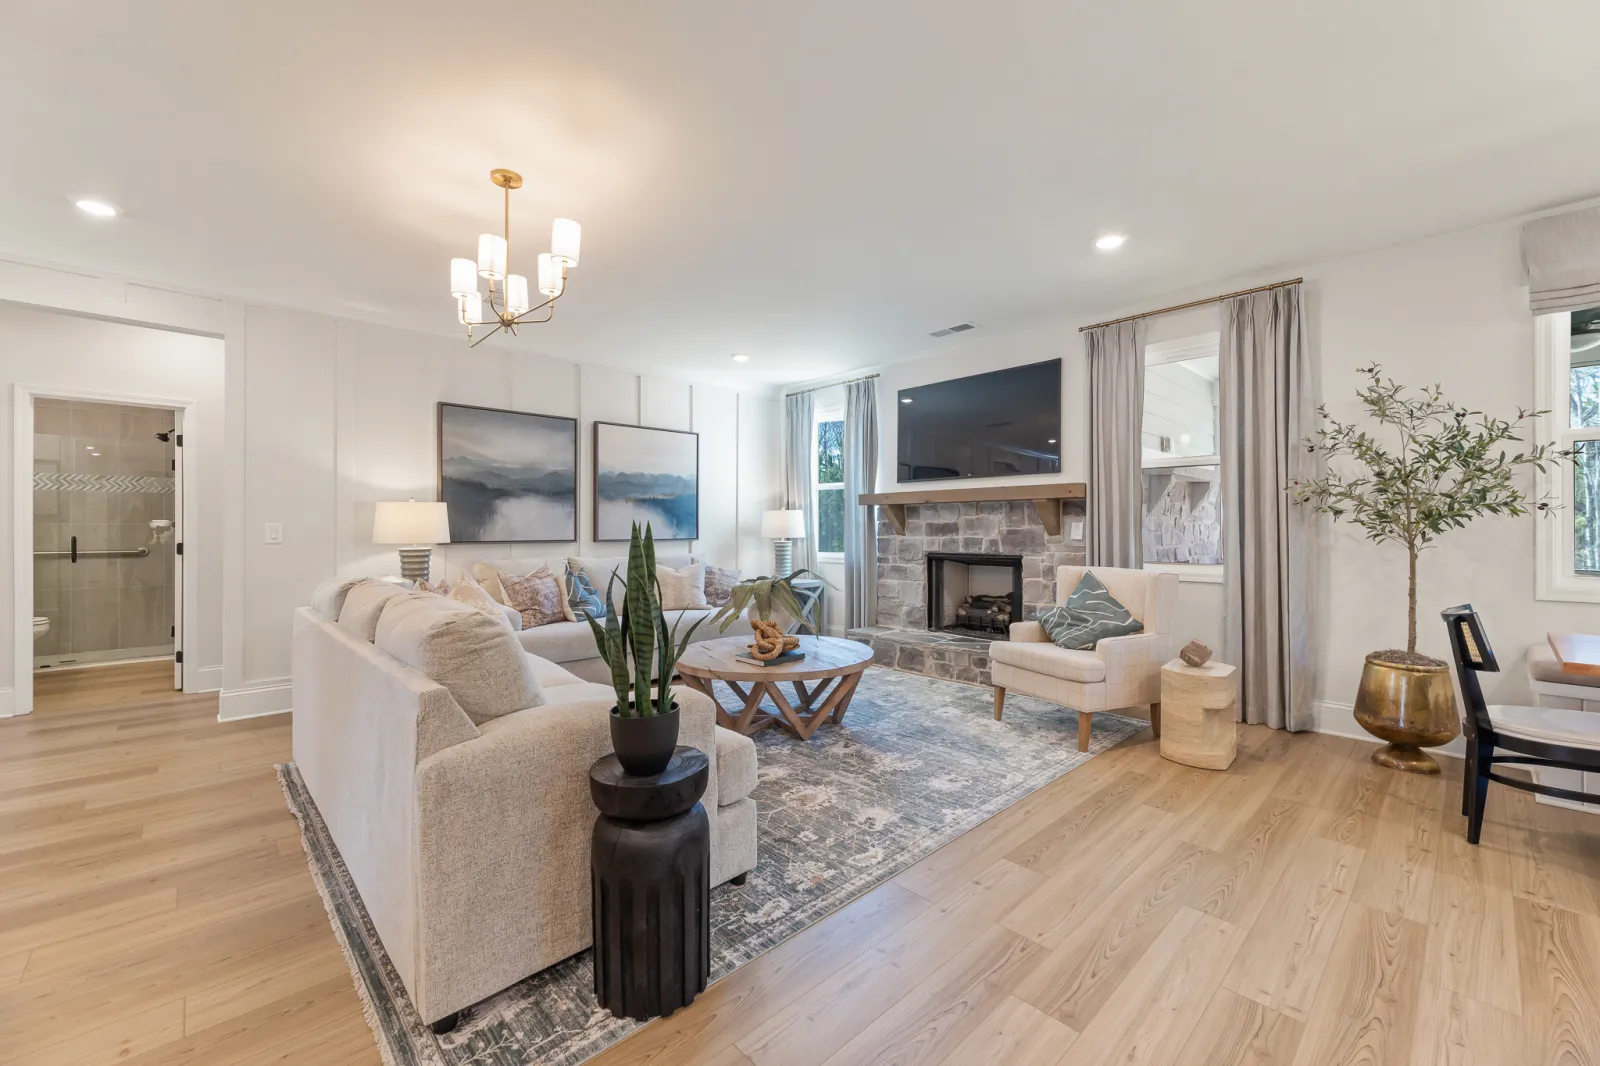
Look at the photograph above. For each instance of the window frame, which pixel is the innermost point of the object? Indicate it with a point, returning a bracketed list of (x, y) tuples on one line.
[(1557, 578), (819, 416), (1162, 353)]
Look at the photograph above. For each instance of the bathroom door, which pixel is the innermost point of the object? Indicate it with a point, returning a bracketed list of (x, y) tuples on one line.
[(177, 548)]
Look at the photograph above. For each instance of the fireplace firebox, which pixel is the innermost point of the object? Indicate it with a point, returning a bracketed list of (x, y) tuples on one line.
[(979, 594)]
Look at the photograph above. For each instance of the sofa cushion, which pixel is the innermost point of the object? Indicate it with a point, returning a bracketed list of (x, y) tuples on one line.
[(560, 642), (684, 589), (1089, 615), (468, 591), (582, 597), (719, 585), (1047, 659), (363, 606), (599, 568), (472, 655), (550, 674), (538, 597), (328, 599), (736, 766)]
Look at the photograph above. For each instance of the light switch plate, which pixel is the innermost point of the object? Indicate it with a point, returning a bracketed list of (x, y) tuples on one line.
[(1075, 530), (274, 532)]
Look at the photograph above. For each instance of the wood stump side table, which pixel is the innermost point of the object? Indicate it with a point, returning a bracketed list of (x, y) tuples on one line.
[(1199, 714), (650, 879)]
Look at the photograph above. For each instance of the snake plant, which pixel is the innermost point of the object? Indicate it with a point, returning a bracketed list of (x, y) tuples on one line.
[(636, 638)]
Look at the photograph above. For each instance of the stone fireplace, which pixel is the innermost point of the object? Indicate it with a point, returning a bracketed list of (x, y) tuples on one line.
[(937, 539), (976, 593)]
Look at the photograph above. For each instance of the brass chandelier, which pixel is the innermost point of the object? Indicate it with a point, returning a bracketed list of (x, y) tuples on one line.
[(508, 305)]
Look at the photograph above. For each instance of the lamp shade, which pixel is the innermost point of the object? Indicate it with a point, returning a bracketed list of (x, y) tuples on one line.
[(463, 277), (491, 256), (469, 308), (517, 294), (410, 522), (565, 236), (783, 524), (550, 281)]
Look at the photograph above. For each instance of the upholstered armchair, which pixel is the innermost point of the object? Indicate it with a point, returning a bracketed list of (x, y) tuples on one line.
[(1119, 672)]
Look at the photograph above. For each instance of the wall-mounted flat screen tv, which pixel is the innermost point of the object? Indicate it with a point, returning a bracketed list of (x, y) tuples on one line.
[(998, 424)]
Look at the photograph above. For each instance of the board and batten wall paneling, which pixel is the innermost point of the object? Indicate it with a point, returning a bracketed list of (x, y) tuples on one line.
[(716, 420), (760, 482)]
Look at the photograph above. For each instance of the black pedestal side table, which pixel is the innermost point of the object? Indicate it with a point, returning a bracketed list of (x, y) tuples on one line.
[(650, 875)]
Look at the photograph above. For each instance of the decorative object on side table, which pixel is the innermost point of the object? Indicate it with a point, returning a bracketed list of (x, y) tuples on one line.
[(783, 527), (650, 879), (636, 644), (1447, 467), (1199, 714), (837, 664), (1195, 653), (419, 525)]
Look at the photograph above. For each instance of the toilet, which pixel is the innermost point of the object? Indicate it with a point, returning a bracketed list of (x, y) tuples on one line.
[(41, 626)]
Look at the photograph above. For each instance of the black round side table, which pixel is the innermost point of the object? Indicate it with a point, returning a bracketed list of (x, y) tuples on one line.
[(650, 875)]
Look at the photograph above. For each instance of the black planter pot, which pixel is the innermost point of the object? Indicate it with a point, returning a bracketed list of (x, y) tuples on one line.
[(644, 746)]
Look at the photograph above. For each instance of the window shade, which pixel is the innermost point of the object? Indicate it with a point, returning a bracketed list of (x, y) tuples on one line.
[(1562, 256)]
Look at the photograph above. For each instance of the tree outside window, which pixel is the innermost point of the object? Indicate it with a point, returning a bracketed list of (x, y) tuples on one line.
[(830, 486)]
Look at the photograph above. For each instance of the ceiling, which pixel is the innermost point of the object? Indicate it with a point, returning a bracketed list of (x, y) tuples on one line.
[(818, 185)]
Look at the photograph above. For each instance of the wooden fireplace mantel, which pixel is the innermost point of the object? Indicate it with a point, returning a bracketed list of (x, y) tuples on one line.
[(1045, 497)]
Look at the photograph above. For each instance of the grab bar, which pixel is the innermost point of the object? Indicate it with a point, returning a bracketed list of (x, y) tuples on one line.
[(137, 553)]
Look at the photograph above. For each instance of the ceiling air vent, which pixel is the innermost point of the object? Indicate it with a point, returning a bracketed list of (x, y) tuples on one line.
[(960, 327)]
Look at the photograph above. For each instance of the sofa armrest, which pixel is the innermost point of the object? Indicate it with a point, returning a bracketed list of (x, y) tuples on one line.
[(513, 617), (1029, 633)]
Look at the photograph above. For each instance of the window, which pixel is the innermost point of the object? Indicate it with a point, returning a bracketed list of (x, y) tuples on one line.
[(830, 484), (1182, 523), (1567, 360)]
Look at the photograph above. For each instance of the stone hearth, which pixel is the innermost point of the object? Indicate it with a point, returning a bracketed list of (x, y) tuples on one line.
[(901, 638)]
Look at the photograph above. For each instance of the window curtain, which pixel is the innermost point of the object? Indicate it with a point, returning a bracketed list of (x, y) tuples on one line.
[(1116, 415), (1562, 256), (799, 471), (860, 528), (1266, 411)]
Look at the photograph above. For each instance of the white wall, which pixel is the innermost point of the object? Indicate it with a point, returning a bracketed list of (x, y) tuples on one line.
[(323, 417), (45, 350)]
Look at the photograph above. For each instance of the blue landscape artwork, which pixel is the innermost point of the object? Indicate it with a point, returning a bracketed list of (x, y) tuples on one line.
[(647, 476), (508, 475)]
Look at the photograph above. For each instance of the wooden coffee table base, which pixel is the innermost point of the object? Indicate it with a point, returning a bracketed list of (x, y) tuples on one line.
[(825, 702)]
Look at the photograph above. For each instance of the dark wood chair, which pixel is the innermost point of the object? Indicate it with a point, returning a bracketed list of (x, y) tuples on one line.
[(1535, 737)]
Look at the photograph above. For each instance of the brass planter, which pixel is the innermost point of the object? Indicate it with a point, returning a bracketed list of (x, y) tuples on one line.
[(1412, 707)]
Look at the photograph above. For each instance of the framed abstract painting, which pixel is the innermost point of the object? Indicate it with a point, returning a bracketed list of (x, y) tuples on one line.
[(508, 475), (646, 475)]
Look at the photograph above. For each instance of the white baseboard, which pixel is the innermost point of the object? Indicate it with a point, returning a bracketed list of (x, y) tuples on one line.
[(8, 702), (255, 700), (1338, 719), (208, 679)]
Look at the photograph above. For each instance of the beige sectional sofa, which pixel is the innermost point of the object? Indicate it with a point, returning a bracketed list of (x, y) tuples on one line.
[(469, 840), (571, 644)]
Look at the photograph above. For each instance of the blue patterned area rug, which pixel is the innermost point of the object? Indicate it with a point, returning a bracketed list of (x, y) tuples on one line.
[(917, 762)]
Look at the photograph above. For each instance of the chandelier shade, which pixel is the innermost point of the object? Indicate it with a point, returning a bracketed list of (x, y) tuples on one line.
[(491, 256), (549, 275), (565, 237), (517, 294), (508, 302), (463, 277)]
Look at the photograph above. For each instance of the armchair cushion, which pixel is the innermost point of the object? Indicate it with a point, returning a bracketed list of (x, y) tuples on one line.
[(1047, 659), (1089, 615)]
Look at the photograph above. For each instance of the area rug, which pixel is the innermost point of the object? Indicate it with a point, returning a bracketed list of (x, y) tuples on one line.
[(917, 762)]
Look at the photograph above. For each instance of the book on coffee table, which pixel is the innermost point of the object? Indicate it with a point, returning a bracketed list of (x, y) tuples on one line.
[(787, 657)]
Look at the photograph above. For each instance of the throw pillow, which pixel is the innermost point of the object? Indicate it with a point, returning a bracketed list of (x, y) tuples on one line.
[(719, 585), (478, 660), (537, 597), (328, 599), (438, 588), (683, 590), (489, 578), (472, 594), (364, 605), (582, 597), (1089, 616)]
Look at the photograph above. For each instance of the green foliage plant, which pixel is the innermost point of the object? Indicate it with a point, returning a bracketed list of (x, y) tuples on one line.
[(766, 597)]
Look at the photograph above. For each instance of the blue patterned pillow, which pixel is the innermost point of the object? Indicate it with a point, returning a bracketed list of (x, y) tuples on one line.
[(585, 601), (1089, 615)]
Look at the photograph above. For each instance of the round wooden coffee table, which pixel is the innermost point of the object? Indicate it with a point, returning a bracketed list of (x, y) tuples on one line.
[(837, 666)]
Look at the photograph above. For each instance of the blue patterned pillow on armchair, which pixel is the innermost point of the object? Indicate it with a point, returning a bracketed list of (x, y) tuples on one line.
[(1090, 615)]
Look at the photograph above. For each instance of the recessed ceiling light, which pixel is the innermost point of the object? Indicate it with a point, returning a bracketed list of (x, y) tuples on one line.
[(1110, 242), (740, 357), (905, 399), (97, 208), (1052, 440)]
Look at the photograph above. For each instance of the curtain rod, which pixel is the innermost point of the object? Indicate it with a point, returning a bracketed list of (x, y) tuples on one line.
[(1191, 303), (829, 385)]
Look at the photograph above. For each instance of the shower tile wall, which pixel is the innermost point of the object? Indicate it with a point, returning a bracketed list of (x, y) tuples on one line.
[(101, 609)]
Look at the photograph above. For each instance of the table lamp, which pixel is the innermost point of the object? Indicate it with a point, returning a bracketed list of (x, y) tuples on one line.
[(417, 525), (783, 527)]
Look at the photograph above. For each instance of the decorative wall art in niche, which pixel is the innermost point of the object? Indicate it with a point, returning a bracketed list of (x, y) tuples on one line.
[(508, 475), (646, 475)]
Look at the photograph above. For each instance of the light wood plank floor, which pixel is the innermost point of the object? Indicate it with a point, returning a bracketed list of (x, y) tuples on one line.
[(1305, 907)]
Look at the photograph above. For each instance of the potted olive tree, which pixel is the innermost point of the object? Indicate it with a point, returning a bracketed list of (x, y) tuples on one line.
[(1430, 467), (636, 644)]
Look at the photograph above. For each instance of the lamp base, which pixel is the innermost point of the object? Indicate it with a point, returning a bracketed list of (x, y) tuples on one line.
[(782, 558), (414, 563)]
